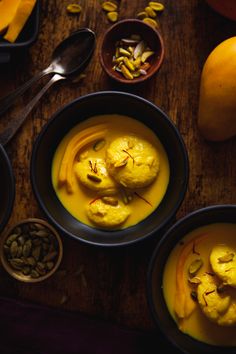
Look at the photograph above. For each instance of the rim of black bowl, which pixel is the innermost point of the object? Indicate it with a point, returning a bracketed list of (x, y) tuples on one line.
[(214, 212), (164, 223), (9, 187)]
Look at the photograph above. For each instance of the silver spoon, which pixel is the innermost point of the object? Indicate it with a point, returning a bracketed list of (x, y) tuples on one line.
[(79, 62), (67, 59)]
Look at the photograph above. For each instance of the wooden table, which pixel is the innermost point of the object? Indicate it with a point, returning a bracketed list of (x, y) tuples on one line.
[(111, 284)]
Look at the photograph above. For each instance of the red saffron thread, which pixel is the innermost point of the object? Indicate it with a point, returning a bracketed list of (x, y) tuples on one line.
[(94, 200), (145, 200)]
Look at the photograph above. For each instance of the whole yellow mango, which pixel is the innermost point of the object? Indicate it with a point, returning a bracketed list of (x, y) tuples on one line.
[(217, 101)]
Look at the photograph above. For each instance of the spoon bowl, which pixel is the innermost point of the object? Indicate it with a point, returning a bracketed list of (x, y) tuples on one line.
[(69, 58), (65, 58)]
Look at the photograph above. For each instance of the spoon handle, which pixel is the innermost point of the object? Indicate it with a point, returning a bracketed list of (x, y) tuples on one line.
[(16, 123), (8, 100)]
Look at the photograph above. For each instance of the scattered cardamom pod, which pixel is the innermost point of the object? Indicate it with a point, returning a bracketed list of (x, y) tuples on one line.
[(112, 16), (109, 6), (151, 22), (74, 9), (156, 6), (151, 13)]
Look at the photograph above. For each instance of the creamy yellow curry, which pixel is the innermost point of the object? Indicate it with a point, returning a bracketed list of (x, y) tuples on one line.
[(110, 171), (199, 284)]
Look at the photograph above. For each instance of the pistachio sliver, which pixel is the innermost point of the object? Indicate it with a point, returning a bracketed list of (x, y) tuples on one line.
[(110, 201), (94, 178), (146, 55), (137, 62), (127, 74), (136, 73), (195, 267), (129, 41), (194, 281), (129, 64), (119, 59), (142, 72), (228, 257), (99, 145), (139, 49), (125, 52)]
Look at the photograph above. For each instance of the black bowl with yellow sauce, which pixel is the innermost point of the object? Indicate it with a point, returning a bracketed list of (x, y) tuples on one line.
[(184, 343), (105, 103)]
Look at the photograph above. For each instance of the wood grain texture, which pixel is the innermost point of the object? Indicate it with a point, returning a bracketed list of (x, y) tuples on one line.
[(111, 284)]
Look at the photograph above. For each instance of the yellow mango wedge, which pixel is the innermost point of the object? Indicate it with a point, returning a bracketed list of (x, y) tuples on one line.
[(21, 16), (184, 305), (7, 12), (79, 141)]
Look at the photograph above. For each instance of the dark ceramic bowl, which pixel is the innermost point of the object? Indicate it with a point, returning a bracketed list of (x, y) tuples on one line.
[(109, 103), (7, 188), (158, 308), (26, 38), (124, 29)]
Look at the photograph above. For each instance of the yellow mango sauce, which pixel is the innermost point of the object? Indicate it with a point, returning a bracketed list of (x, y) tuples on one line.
[(117, 125), (197, 325)]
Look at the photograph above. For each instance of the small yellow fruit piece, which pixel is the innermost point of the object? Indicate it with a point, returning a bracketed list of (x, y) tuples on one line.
[(112, 16), (151, 13), (157, 6), (151, 22), (74, 8), (127, 74), (109, 6)]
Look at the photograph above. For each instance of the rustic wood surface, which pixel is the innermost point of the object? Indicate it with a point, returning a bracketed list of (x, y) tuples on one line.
[(111, 284)]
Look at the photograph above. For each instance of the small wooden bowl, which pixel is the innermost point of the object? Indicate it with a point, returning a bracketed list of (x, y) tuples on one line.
[(125, 29), (37, 266)]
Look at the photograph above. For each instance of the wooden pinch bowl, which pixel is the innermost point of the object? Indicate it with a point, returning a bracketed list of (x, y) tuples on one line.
[(125, 29), (22, 261)]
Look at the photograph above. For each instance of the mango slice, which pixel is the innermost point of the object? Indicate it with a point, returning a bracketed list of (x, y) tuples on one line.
[(79, 141), (21, 15), (184, 304), (7, 10)]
